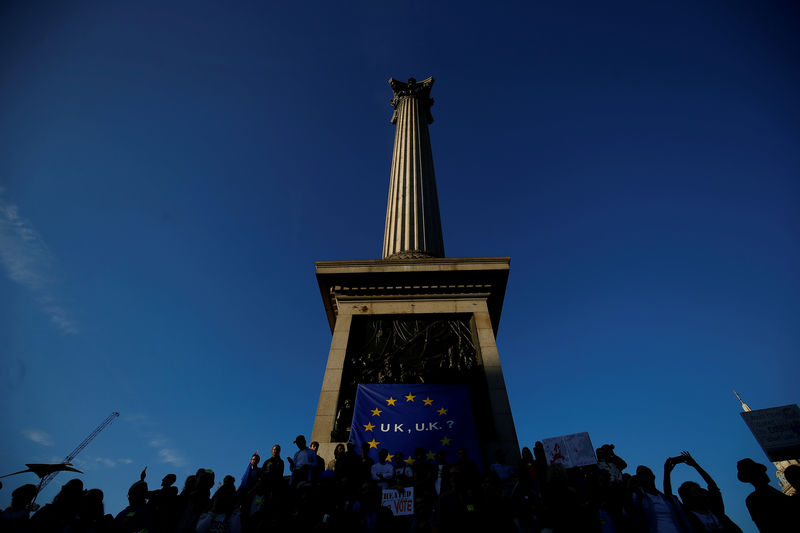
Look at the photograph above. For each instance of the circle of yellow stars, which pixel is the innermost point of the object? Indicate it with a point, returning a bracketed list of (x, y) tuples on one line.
[(391, 402)]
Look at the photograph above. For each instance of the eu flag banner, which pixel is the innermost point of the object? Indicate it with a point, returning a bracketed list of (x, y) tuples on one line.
[(401, 418)]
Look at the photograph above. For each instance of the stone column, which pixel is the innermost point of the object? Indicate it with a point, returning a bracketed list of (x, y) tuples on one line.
[(413, 225)]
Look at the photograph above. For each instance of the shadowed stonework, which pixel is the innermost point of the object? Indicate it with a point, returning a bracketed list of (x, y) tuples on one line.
[(415, 350)]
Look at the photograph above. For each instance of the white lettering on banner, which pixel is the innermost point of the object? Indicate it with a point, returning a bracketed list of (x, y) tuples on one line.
[(400, 502), (429, 426), (398, 427), (386, 427)]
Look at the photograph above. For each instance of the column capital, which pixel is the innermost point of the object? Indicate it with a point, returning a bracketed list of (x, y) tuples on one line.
[(419, 90)]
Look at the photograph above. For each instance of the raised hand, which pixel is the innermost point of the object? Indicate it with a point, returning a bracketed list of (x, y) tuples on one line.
[(672, 461), (688, 459)]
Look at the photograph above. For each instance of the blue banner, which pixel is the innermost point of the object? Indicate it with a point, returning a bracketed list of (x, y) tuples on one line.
[(401, 418)]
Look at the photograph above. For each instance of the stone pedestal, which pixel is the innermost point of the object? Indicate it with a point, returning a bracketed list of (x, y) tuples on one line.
[(466, 292)]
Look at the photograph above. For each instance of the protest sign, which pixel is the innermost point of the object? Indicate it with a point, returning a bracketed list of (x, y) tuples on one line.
[(401, 502), (570, 450), (777, 430)]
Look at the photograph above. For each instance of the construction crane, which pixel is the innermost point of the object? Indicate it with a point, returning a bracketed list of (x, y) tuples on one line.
[(68, 459)]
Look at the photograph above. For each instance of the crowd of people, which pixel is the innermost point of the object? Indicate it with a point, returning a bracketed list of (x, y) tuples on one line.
[(344, 494)]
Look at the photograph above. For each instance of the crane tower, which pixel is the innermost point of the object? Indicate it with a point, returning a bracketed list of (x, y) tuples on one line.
[(68, 459)]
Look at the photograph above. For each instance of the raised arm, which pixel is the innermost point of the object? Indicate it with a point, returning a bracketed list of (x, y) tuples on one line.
[(689, 460), (669, 464)]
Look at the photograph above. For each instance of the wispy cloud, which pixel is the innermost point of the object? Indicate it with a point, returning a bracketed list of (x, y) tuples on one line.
[(157, 442), (38, 436), (165, 452), (171, 456), (27, 261)]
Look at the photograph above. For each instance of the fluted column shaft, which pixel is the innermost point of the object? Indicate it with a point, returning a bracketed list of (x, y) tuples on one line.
[(413, 225)]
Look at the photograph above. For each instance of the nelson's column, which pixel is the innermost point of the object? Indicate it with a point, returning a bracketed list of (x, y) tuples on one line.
[(414, 316)]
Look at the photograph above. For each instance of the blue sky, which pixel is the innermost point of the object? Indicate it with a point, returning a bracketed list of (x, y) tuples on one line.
[(170, 174)]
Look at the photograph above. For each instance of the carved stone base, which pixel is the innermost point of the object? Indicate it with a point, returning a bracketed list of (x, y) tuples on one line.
[(411, 321)]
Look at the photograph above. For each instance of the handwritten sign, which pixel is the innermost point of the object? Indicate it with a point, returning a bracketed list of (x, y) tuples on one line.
[(570, 450), (777, 430), (400, 502)]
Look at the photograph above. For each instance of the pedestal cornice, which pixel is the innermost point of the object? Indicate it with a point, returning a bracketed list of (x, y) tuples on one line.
[(414, 279)]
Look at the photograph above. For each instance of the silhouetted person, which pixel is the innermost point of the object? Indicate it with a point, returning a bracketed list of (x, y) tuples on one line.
[(704, 508), (540, 460), (320, 468), (304, 463), (403, 474), (382, 472), (337, 453), (136, 516), (442, 481), (92, 517), (168, 483), (183, 497), (198, 501), (459, 508), (527, 464), (469, 469), (503, 471), (366, 463), (424, 489), (228, 484), (163, 504), (250, 473), (188, 486), (348, 472), (496, 514), (61, 513), (273, 467), (15, 518), (607, 460), (371, 516), (223, 517), (770, 509), (653, 511)]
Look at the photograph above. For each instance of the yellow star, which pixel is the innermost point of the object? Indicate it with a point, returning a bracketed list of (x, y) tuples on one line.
[(430, 455), (445, 441), (369, 426), (376, 412), (391, 401), (410, 397), (428, 401), (374, 444), (409, 461), (389, 458), (442, 411)]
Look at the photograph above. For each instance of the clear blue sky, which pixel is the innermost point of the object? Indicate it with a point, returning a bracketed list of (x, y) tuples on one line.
[(170, 174)]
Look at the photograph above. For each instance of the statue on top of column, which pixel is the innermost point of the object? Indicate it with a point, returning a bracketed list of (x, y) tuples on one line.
[(421, 90)]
